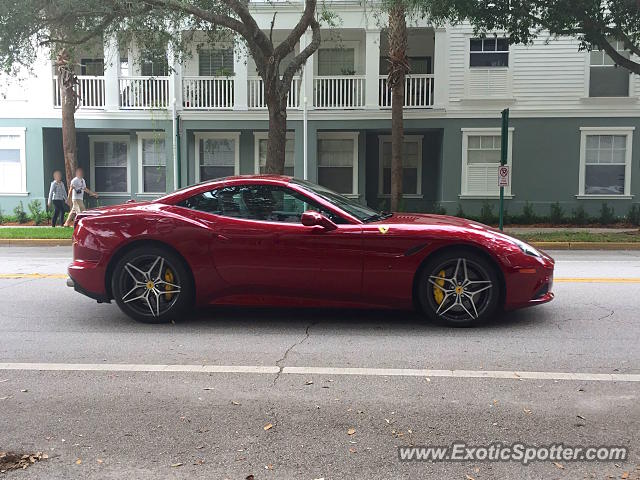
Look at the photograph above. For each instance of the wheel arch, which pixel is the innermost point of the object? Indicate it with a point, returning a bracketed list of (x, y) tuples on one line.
[(465, 247), (124, 249)]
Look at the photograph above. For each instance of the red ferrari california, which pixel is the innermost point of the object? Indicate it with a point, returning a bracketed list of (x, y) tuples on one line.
[(272, 240)]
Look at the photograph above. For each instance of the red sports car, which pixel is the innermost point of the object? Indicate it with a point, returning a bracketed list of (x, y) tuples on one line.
[(272, 240)]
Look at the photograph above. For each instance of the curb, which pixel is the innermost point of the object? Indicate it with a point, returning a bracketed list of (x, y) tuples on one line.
[(586, 245), (66, 242), (36, 242)]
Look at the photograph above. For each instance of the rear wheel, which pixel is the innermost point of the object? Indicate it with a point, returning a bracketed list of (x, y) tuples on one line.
[(151, 285), (459, 288)]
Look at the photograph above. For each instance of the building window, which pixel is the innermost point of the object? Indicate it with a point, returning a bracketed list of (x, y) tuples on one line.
[(605, 161), (215, 62), (155, 64), (336, 61), (606, 79), (489, 52), (92, 66), (13, 177), (481, 152), (153, 162), (338, 161), (411, 165), (109, 164), (261, 153), (217, 155)]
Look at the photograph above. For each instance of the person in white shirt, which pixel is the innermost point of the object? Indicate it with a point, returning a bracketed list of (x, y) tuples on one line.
[(77, 187)]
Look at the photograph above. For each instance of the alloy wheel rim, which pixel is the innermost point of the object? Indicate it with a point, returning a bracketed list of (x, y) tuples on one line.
[(151, 284), (460, 290)]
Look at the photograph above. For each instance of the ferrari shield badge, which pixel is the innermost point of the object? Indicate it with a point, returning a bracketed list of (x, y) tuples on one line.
[(383, 229)]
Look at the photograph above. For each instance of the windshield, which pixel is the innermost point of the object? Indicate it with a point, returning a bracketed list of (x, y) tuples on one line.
[(361, 212)]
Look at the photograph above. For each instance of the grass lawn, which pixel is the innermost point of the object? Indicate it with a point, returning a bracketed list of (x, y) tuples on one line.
[(39, 232), (580, 237)]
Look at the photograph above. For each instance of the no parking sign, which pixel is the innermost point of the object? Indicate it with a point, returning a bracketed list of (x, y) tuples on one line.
[(504, 176)]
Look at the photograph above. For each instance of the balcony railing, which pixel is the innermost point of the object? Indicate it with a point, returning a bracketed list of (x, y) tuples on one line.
[(345, 91), (207, 93), (137, 93), (418, 91), (255, 91), (89, 90)]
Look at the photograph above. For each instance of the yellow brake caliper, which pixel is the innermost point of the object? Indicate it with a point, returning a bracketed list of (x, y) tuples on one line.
[(168, 277), (438, 293)]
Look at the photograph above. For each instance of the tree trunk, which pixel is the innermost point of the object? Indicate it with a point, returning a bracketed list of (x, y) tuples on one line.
[(67, 80), (277, 140), (398, 68)]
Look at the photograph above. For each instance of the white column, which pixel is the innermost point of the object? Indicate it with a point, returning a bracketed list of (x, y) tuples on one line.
[(372, 68), (441, 69), (175, 78), (306, 90), (240, 78), (111, 73)]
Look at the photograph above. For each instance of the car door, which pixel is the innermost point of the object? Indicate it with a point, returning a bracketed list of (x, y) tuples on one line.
[(313, 261)]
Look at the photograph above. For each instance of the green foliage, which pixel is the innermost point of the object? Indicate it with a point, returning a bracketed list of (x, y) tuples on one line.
[(633, 217), (580, 216), (35, 208), (594, 23), (21, 215), (556, 213), (460, 212), (486, 213), (439, 209), (607, 215), (528, 214), (2, 219)]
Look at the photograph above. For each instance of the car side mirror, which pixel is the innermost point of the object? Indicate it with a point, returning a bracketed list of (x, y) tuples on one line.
[(311, 218)]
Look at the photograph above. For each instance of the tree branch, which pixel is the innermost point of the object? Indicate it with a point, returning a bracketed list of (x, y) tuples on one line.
[(621, 60), (303, 56), (289, 43)]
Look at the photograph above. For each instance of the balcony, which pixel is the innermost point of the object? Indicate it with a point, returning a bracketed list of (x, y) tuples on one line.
[(339, 92), (255, 94), (207, 93), (89, 90), (418, 91), (144, 93)]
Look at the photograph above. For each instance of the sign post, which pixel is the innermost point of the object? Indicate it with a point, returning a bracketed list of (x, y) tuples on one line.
[(503, 171)]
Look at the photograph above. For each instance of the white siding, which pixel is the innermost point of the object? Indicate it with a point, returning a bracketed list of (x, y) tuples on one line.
[(458, 58), (551, 72)]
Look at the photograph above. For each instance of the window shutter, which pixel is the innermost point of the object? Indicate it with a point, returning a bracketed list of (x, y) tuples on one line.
[(488, 82)]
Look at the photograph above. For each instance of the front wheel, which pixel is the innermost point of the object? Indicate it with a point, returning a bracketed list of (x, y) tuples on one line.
[(151, 285), (458, 288)]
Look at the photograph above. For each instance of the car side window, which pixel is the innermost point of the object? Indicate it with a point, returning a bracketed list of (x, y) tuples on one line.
[(270, 203)]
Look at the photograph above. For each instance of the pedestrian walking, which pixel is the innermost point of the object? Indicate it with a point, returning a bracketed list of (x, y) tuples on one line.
[(77, 188), (57, 198)]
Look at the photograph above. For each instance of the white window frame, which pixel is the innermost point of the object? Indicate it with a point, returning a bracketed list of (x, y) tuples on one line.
[(344, 44), (496, 38), (19, 132), (92, 161), (343, 136), (474, 132), (235, 136), (620, 131), (411, 138), (149, 135), (257, 137), (587, 85)]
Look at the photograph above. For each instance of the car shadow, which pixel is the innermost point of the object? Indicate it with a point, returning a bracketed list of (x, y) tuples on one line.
[(341, 319)]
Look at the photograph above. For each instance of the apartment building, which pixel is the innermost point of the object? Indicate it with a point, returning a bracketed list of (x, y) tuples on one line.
[(148, 124)]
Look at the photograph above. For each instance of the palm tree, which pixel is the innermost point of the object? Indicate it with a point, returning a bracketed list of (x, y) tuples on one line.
[(398, 69)]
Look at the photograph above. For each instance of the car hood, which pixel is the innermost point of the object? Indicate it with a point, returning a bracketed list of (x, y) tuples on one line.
[(426, 219)]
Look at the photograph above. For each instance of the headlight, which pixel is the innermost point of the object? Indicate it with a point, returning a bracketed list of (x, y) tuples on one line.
[(526, 248)]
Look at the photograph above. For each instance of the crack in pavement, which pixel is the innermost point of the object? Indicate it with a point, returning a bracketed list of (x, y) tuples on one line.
[(610, 314), (279, 363)]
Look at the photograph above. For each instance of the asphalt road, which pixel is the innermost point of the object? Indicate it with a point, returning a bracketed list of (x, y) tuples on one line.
[(95, 406)]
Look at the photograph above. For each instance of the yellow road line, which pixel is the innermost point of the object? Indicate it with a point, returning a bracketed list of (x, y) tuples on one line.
[(32, 275), (596, 280)]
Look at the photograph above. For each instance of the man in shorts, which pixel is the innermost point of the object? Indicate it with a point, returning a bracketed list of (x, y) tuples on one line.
[(77, 187)]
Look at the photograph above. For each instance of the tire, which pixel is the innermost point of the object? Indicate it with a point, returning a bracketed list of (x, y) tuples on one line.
[(468, 301), (152, 285)]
